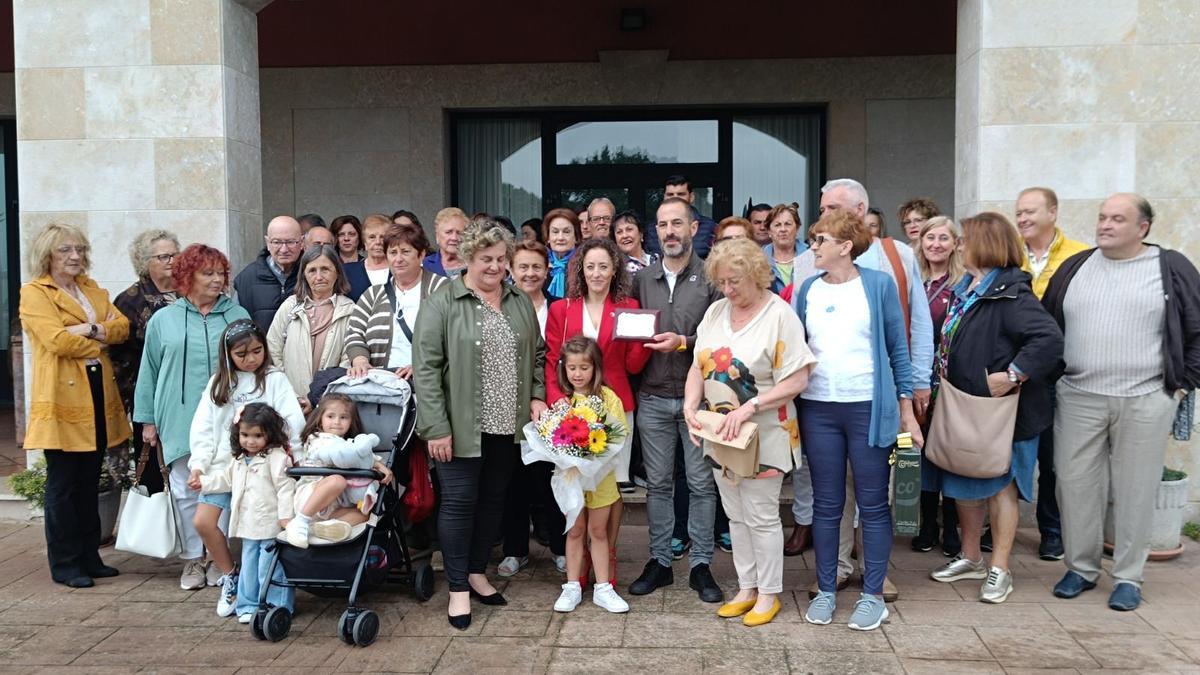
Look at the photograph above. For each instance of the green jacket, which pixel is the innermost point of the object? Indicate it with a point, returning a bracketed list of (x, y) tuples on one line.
[(447, 363), (179, 358)]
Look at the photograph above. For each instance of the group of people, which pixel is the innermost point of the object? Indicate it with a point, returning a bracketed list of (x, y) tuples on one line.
[(832, 340)]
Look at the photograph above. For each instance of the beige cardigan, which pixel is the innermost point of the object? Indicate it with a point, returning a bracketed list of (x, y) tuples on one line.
[(291, 347), (263, 493)]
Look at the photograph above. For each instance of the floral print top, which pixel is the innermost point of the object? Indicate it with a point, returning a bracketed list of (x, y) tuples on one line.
[(499, 362)]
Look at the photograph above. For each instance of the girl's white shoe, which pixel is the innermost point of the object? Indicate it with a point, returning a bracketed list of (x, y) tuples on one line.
[(570, 597), (605, 597)]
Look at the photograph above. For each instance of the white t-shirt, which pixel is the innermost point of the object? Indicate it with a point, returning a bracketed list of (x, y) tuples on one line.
[(408, 304), (543, 311), (671, 277), (838, 321), (379, 276)]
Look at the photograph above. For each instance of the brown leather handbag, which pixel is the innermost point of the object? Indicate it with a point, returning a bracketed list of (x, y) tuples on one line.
[(970, 435)]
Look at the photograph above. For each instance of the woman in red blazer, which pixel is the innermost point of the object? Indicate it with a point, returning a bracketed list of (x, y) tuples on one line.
[(598, 285)]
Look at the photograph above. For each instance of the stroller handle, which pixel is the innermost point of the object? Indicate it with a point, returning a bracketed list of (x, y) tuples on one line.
[(301, 471)]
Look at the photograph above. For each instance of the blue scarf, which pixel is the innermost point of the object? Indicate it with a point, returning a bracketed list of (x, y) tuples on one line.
[(558, 273)]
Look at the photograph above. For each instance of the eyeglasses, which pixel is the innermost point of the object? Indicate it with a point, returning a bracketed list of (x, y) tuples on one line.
[(164, 258), (915, 220), (600, 219), (67, 250), (821, 240), (722, 284), (281, 243)]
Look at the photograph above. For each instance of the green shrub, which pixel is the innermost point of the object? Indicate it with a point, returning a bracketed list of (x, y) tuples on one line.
[(31, 483), (1192, 530), (1173, 474)]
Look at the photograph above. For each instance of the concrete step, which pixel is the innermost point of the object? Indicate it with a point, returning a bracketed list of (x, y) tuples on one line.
[(14, 507)]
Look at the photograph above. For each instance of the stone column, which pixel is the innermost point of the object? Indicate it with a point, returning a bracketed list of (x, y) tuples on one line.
[(134, 114), (1087, 99)]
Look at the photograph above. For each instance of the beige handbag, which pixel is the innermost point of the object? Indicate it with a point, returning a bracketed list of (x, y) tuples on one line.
[(972, 436), (739, 456)]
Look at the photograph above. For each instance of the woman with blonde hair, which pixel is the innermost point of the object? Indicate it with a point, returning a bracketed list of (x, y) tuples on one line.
[(939, 257), (75, 412)]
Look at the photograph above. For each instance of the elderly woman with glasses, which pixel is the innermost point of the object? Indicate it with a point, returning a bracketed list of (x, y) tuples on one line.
[(75, 413)]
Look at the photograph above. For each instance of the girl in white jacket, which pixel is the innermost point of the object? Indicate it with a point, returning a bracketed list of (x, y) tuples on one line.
[(261, 503), (244, 375), (333, 438)]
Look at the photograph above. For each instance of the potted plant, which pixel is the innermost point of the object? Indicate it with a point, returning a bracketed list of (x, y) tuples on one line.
[(31, 485), (1170, 502), (115, 475)]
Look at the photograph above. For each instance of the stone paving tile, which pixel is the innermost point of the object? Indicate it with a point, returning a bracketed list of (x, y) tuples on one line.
[(1041, 671), (128, 644), (504, 622), (1035, 647), (1171, 622), (151, 614), (54, 646), (673, 630), (624, 660), (1096, 617), (315, 652), (805, 636), (923, 613), (397, 654), (53, 608), (843, 663), (492, 655), (429, 620), (742, 661), (595, 629), (940, 667), (234, 651), (1135, 651), (1189, 647), (951, 643)]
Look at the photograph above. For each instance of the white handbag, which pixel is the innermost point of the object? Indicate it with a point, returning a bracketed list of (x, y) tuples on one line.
[(149, 523)]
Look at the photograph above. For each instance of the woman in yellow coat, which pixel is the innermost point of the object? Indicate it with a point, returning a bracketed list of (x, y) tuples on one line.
[(75, 412)]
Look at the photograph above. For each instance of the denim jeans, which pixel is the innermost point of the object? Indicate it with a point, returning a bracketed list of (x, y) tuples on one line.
[(661, 425), (256, 561), (833, 432)]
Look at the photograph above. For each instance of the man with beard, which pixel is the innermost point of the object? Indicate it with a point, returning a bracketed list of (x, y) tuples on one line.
[(677, 287)]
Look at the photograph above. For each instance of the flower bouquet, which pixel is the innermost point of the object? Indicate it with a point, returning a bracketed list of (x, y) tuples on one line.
[(581, 439)]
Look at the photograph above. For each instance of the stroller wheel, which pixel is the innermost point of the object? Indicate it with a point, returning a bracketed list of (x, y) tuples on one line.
[(366, 628), (346, 626), (423, 583), (277, 624), (257, 623)]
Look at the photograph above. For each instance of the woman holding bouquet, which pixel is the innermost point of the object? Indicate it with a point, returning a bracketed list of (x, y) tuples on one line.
[(470, 409), (752, 360)]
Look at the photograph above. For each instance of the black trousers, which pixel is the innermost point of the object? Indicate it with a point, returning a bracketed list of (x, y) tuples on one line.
[(530, 485), (72, 488), (472, 507)]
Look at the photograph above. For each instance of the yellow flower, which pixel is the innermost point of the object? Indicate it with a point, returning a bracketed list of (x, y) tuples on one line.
[(597, 441), (585, 413), (793, 428), (779, 350), (707, 365)]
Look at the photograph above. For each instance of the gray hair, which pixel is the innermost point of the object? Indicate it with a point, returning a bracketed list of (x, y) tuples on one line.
[(601, 200), (852, 186), (139, 250), (484, 233)]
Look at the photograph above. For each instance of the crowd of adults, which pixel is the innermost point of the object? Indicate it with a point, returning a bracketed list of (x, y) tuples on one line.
[(832, 338)]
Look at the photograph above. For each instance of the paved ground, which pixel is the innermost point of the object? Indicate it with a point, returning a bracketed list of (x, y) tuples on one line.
[(141, 620)]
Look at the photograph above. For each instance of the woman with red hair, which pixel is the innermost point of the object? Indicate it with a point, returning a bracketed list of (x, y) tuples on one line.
[(177, 362)]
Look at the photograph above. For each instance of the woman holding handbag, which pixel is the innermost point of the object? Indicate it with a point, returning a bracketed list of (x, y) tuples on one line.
[(996, 340)]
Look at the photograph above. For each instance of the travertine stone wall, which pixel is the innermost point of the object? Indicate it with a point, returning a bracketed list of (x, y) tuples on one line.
[(1089, 99), (356, 140), (139, 113)]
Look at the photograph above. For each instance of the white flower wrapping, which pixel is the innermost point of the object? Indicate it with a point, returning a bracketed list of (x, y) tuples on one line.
[(572, 475)]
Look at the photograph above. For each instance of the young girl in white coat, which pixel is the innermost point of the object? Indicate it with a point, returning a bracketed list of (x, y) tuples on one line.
[(244, 375), (261, 501)]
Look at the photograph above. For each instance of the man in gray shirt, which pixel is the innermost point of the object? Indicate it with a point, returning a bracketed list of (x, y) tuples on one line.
[(1130, 314)]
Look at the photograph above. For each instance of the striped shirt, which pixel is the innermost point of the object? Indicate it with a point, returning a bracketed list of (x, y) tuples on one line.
[(371, 326)]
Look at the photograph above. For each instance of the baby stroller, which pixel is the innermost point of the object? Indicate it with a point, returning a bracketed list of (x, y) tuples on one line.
[(377, 551)]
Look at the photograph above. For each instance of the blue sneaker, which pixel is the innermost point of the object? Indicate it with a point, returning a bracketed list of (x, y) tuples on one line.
[(820, 609), (869, 612), (679, 547), (1071, 585), (1125, 597), (725, 542)]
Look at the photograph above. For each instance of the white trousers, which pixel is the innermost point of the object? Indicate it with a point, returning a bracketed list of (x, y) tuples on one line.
[(186, 500), (755, 530)]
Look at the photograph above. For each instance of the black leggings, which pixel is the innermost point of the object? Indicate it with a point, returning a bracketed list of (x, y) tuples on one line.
[(72, 486), (472, 507)]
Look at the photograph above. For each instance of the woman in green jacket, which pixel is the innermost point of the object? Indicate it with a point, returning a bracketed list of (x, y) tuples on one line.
[(470, 410), (177, 361)]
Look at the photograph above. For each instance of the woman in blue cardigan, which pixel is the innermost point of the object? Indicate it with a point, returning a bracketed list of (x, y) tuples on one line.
[(859, 397)]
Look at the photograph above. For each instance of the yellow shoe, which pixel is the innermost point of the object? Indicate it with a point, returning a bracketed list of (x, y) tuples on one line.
[(730, 610), (758, 619)]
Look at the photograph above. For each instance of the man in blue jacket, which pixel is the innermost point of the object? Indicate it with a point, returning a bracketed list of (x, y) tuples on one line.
[(265, 283), (679, 186)]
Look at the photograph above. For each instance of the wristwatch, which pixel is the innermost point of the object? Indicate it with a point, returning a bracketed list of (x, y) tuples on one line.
[(1013, 377), (93, 330), (754, 402)]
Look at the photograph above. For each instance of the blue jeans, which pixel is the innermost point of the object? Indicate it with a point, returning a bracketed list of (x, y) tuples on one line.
[(661, 425), (831, 434), (256, 560)]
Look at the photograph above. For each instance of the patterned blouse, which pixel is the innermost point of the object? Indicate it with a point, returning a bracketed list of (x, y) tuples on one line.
[(499, 362), (138, 303)]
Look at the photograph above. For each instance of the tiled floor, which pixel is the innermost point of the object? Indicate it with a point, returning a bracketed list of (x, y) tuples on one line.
[(142, 621), (12, 457)]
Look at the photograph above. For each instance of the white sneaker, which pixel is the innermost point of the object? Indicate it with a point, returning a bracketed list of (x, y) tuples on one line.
[(193, 575), (212, 574), (245, 618), (332, 530), (297, 532), (570, 598), (605, 597), (227, 603), (560, 563), (511, 565)]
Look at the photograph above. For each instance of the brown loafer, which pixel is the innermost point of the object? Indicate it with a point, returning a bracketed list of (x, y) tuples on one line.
[(842, 582), (799, 542)]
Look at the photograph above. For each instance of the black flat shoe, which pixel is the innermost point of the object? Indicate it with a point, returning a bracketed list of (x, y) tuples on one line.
[(103, 572), (81, 581), (493, 600), (461, 622)]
